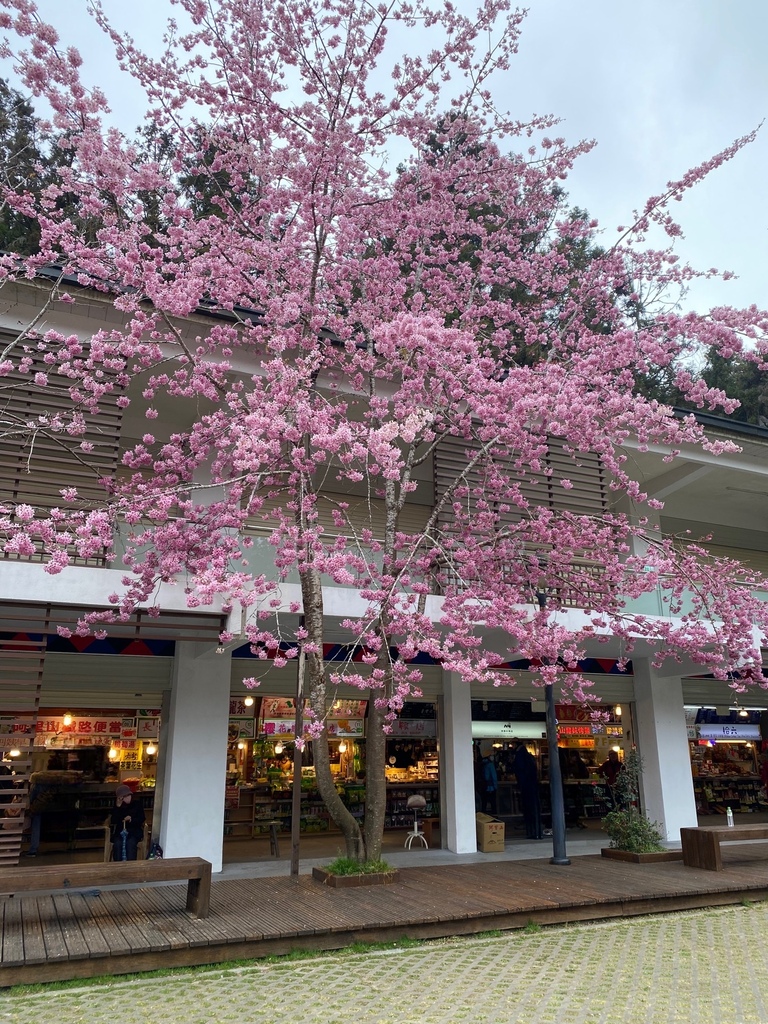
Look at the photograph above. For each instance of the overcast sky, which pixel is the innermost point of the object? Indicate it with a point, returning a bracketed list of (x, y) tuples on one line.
[(661, 85)]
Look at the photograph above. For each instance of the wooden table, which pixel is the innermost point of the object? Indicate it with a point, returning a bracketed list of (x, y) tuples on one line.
[(701, 846)]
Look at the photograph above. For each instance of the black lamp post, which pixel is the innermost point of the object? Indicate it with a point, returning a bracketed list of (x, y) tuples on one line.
[(556, 801)]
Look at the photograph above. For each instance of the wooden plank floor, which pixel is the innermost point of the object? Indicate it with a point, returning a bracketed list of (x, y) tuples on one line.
[(47, 938)]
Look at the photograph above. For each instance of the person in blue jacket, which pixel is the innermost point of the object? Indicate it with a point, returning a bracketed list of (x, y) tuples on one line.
[(490, 785)]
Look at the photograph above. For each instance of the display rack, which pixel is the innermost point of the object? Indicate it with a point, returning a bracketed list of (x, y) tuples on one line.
[(397, 814), (716, 793), (257, 807), (250, 810)]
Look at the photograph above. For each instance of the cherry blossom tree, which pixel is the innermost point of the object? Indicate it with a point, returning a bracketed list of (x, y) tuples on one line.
[(305, 329)]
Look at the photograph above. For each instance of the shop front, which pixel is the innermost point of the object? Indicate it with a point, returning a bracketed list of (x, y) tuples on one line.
[(260, 766), (78, 758), (728, 760), (584, 745)]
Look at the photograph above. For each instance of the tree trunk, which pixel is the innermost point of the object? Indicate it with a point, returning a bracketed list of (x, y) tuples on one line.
[(312, 594), (375, 780)]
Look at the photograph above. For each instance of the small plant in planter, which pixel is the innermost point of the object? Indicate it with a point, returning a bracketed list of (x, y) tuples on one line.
[(628, 828), (346, 871)]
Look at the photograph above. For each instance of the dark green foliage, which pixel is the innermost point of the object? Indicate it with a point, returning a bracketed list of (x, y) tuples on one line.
[(23, 169), (628, 828), (742, 379)]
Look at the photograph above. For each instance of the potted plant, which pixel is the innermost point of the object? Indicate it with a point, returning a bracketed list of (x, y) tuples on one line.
[(634, 837), (345, 872)]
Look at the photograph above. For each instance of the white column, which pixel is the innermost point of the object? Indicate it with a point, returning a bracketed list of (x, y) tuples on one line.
[(192, 823), (662, 739), (456, 769)]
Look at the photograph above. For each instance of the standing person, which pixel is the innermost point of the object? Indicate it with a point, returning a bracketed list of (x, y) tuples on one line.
[(490, 785), (609, 770), (578, 766), (127, 816), (527, 776), (477, 768)]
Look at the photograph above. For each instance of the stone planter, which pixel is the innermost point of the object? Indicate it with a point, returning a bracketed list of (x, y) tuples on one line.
[(353, 881), (641, 858)]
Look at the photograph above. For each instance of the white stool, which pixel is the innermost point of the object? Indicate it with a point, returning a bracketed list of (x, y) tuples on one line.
[(416, 803)]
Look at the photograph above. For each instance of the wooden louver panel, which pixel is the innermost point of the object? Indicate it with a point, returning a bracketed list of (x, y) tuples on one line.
[(21, 673), (755, 561), (588, 494), (362, 513), (36, 462)]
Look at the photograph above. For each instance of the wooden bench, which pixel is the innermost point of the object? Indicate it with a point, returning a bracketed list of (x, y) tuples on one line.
[(194, 870), (701, 846)]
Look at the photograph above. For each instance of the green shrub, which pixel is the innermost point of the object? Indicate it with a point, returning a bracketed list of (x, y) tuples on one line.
[(632, 831), (627, 827), (350, 866)]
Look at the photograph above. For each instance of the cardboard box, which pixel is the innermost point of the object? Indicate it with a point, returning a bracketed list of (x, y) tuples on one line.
[(490, 834)]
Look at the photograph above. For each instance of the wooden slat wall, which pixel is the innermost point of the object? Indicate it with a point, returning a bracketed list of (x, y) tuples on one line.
[(142, 625), (587, 496), (36, 462), (21, 674), (363, 513), (756, 561)]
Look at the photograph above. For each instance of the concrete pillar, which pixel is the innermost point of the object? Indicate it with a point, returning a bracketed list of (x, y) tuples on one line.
[(456, 769), (192, 822), (662, 739)]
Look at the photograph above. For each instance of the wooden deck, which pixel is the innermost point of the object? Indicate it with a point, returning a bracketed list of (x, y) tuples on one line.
[(80, 935)]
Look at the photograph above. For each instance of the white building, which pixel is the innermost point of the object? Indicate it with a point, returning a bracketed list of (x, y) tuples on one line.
[(173, 662)]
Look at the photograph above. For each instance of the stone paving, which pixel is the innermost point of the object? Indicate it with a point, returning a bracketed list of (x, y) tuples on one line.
[(707, 967)]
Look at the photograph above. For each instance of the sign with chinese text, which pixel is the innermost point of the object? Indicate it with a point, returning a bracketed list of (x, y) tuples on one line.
[(415, 727), (148, 728), (100, 729), (726, 731)]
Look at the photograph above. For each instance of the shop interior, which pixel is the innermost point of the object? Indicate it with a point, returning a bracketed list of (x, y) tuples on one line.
[(79, 757), (729, 761), (584, 746), (261, 769)]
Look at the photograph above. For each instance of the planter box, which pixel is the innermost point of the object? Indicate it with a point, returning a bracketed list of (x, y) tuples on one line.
[(352, 881), (641, 858)]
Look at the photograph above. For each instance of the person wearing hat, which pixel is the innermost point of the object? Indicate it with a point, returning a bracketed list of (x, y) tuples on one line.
[(127, 816)]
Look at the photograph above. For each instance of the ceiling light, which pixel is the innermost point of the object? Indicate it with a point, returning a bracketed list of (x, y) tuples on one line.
[(151, 749), (67, 719), (248, 701)]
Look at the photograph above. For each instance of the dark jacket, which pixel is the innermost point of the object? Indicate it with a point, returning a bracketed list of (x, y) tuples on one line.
[(135, 811), (526, 772)]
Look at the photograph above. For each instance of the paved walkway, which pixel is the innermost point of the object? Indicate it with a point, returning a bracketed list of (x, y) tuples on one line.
[(707, 967)]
